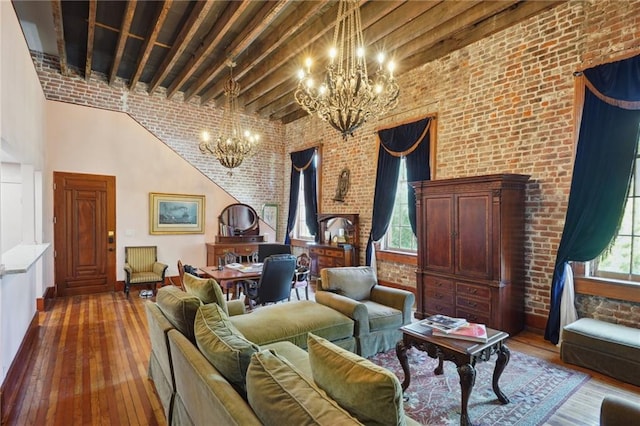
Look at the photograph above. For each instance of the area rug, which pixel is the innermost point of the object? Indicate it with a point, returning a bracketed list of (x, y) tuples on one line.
[(535, 389)]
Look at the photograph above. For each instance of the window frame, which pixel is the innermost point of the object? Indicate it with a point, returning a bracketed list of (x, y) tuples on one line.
[(402, 195)]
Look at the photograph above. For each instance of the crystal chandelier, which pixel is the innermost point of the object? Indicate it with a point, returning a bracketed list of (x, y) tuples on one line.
[(348, 98), (233, 144)]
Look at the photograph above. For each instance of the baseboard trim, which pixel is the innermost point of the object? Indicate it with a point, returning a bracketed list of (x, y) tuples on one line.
[(17, 369), (43, 303)]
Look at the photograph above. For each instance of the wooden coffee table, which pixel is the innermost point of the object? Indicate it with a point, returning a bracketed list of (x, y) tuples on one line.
[(463, 353)]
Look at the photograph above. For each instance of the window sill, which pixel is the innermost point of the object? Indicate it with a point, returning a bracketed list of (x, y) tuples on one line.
[(613, 289), (398, 257), (296, 242)]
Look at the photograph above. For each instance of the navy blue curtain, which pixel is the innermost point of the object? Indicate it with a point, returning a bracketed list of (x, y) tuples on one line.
[(302, 164), (603, 167), (402, 141)]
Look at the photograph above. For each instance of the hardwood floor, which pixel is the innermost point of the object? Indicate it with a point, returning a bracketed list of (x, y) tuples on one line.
[(91, 369)]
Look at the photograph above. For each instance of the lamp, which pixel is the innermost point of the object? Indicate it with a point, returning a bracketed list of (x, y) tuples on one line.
[(348, 98), (233, 144)]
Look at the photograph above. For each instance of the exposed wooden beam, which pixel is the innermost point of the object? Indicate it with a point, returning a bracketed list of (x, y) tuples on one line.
[(56, 6), (296, 115), (91, 28), (262, 20), (161, 14), (211, 42), (290, 48), (197, 16), (130, 10)]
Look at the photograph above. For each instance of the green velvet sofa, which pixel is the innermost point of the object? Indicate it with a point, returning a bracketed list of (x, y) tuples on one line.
[(188, 338)]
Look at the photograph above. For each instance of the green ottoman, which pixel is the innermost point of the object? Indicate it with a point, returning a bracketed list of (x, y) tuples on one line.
[(292, 322), (608, 348)]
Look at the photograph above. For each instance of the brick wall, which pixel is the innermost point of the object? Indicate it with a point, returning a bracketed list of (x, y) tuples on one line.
[(504, 104), (257, 181)]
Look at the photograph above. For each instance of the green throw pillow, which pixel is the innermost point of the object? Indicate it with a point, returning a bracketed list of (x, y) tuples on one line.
[(280, 395), (368, 392), (223, 345), (206, 289), (179, 307)]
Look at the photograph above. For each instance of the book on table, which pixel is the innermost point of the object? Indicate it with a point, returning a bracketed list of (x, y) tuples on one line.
[(443, 323), (473, 332)]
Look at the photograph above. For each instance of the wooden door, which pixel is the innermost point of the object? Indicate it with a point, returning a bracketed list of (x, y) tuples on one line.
[(84, 233), (473, 235)]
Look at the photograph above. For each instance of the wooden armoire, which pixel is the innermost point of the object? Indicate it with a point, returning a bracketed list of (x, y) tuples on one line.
[(471, 249)]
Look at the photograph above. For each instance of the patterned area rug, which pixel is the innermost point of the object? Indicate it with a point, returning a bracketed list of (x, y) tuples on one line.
[(534, 387)]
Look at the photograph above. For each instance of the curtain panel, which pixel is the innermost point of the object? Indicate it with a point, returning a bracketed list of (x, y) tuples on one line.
[(395, 143), (606, 148), (302, 164)]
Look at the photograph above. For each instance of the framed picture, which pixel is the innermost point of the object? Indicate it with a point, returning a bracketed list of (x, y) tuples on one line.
[(270, 215), (176, 214)]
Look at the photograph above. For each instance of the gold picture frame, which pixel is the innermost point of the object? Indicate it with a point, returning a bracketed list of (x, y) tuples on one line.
[(176, 213)]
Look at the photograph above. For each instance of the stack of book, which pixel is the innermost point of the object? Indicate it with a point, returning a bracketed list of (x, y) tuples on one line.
[(456, 328)]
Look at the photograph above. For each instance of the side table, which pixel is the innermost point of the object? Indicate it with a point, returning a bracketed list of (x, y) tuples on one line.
[(464, 354)]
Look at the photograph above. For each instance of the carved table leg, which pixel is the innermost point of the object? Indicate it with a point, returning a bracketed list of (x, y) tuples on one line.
[(467, 379), (401, 352), (503, 359), (440, 368)]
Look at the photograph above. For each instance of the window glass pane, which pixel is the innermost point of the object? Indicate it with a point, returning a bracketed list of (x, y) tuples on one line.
[(626, 224), (618, 258), (399, 235), (635, 267)]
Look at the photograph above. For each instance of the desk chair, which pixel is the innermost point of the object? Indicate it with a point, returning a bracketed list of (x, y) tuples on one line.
[(301, 276), (275, 281)]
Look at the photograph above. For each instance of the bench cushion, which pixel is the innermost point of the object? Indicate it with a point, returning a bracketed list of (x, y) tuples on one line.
[(608, 348), (292, 321)]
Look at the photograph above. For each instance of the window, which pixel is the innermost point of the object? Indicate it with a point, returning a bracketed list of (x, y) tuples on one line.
[(622, 259), (399, 236)]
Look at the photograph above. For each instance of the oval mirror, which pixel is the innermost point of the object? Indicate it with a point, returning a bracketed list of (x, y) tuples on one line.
[(240, 219)]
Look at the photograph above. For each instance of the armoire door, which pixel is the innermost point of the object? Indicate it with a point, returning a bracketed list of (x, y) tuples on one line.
[(84, 233), (438, 240), (473, 235)]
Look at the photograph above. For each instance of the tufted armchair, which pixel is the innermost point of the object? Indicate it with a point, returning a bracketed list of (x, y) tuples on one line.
[(378, 311), (141, 266)]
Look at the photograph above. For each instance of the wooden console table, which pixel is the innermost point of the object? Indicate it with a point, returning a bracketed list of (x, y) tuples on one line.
[(463, 353)]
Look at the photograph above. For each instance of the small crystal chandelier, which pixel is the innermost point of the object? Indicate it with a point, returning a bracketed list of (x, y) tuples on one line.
[(233, 144), (348, 98)]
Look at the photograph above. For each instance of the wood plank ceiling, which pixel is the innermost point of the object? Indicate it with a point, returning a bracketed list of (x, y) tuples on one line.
[(183, 46)]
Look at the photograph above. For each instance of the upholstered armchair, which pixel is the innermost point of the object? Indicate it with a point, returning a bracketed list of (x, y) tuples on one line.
[(141, 266), (378, 311)]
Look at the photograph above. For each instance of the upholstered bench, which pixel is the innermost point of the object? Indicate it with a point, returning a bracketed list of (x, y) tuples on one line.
[(608, 348), (293, 321)]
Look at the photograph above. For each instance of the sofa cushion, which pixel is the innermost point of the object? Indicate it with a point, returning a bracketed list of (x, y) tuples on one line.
[(368, 392), (206, 289), (180, 309), (354, 282), (280, 395), (223, 345)]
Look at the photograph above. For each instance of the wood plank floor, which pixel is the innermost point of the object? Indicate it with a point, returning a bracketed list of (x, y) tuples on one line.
[(91, 369)]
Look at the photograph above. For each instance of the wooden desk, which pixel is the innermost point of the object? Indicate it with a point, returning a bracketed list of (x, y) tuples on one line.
[(229, 277), (229, 274), (463, 353)]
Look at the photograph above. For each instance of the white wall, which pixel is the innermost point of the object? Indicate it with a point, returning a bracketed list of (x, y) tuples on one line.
[(21, 140), (88, 140)]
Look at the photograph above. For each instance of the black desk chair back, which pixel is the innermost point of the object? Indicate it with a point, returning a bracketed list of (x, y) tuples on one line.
[(266, 250), (275, 281)]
